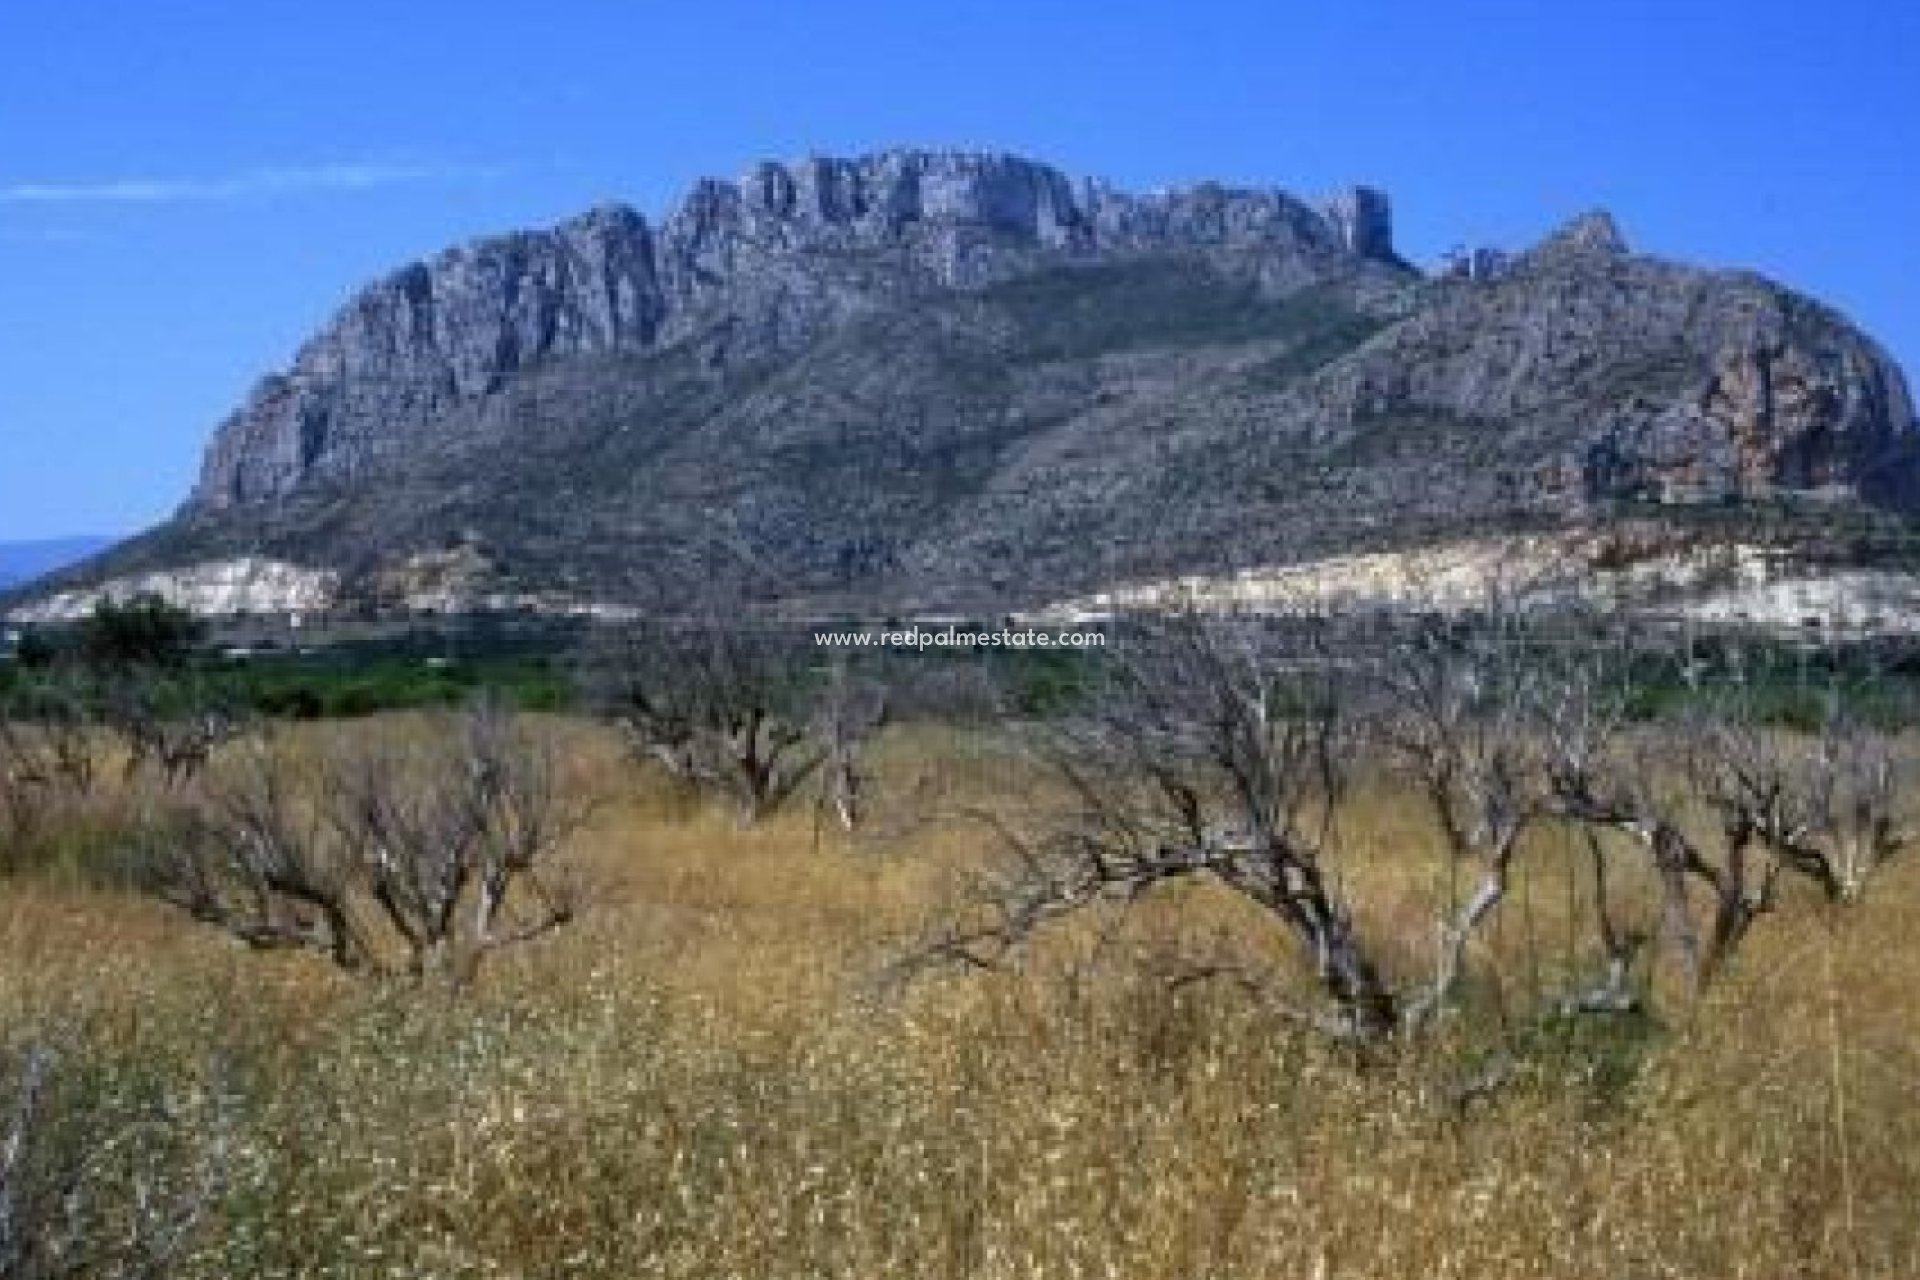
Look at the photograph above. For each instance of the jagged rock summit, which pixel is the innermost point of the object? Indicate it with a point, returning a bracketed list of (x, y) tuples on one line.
[(945, 379)]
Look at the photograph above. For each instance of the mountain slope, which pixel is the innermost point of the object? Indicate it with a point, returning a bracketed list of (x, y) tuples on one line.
[(946, 380)]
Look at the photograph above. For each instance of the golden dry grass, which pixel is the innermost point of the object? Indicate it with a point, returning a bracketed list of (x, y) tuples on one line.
[(701, 1078)]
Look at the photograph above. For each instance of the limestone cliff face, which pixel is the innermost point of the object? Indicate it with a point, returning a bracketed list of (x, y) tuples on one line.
[(745, 267), (433, 335)]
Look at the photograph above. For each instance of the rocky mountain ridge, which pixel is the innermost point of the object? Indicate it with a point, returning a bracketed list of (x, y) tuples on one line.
[(754, 265), (945, 380)]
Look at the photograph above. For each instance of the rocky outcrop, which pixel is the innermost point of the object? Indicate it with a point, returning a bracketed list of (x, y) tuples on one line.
[(1728, 584), (752, 266), (1641, 379), (1593, 234), (1364, 220)]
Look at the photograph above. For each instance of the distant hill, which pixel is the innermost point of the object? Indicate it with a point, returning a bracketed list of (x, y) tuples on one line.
[(24, 561), (945, 380)]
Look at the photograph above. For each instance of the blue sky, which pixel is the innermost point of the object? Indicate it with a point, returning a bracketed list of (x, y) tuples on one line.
[(187, 189)]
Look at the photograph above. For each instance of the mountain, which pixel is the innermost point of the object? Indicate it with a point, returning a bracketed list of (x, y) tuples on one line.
[(953, 380), (22, 562)]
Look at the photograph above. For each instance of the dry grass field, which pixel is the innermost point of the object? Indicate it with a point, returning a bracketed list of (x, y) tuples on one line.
[(708, 1076)]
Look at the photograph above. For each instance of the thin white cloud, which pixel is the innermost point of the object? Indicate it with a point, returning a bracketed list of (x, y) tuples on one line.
[(345, 176), (42, 236)]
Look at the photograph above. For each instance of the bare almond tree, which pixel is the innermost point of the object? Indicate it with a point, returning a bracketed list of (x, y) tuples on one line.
[(739, 712), (450, 834), (1205, 754), (418, 854)]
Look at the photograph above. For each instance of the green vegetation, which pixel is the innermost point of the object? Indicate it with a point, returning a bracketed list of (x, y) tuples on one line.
[(333, 685), (1783, 682), (167, 653), (144, 632)]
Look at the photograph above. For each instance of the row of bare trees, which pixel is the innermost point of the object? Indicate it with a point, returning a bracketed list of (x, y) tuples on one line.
[(1210, 747), (1227, 749), (60, 731), (417, 848)]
